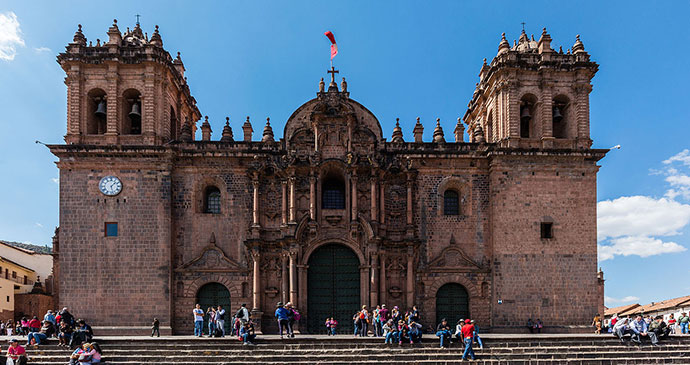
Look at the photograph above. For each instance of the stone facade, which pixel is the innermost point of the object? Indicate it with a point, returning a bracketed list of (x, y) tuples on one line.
[(510, 215)]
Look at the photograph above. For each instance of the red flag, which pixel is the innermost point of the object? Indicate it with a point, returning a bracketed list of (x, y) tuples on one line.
[(334, 47)]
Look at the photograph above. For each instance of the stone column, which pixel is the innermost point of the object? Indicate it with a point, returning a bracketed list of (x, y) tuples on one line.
[(409, 199), (293, 208), (113, 105), (284, 207), (410, 277), (256, 290), (312, 197), (285, 277), (382, 205), (255, 221), (546, 111), (353, 181), (374, 281), (382, 278), (374, 211), (293, 277)]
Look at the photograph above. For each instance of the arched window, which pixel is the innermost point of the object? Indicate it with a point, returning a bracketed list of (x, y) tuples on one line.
[(131, 112), (333, 194), (173, 124), (451, 203), (212, 200), (97, 108)]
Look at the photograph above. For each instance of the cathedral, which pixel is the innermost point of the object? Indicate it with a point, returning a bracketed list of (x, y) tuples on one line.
[(495, 221)]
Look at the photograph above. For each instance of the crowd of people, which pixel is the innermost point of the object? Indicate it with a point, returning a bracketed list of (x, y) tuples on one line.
[(62, 325), (640, 328), (241, 324)]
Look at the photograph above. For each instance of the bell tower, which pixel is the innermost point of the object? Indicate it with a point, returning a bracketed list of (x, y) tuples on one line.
[(127, 90), (531, 96)]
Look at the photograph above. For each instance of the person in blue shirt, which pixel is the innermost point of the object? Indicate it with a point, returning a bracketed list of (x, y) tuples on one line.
[(639, 330), (283, 317)]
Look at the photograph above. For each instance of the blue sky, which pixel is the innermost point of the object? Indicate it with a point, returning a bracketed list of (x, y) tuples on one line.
[(401, 59)]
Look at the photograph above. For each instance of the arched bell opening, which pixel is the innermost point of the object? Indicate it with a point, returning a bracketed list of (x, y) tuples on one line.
[(131, 112), (560, 116), (96, 112), (528, 106)]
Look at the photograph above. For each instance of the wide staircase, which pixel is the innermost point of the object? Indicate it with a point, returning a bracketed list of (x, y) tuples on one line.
[(343, 349)]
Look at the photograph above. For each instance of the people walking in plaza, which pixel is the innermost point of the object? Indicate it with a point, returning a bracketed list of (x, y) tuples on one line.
[(282, 315), (443, 333), (155, 327), (220, 319), (16, 354), (198, 320), (477, 339), (467, 336), (293, 316)]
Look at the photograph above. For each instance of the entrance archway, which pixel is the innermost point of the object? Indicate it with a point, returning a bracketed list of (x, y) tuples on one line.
[(333, 287), (452, 303), (213, 295)]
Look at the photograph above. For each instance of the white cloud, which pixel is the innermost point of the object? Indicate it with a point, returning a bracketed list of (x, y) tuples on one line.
[(627, 299), (55, 180), (42, 49), (683, 156), (39, 225), (641, 216), (637, 245), (10, 36)]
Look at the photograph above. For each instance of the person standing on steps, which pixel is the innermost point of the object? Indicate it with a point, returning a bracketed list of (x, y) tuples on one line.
[(211, 312), (198, 320), (220, 320), (155, 327), (467, 335), (243, 314), (283, 318)]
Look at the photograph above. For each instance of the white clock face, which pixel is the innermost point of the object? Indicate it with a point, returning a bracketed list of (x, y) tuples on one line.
[(110, 185)]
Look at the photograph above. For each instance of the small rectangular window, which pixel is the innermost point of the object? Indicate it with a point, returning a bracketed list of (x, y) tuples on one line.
[(111, 229), (546, 230), (26, 280), (8, 299), (14, 274)]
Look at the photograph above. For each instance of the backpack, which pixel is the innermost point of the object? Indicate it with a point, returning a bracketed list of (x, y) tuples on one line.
[(240, 313)]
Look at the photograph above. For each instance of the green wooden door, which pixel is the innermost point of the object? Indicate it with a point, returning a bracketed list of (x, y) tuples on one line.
[(213, 295), (332, 288), (452, 303)]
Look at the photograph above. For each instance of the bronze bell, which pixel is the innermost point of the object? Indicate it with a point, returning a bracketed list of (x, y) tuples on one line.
[(136, 111), (100, 109), (557, 116), (525, 115)]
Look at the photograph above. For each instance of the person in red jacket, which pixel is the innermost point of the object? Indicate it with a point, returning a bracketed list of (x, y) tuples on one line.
[(34, 325), (467, 336)]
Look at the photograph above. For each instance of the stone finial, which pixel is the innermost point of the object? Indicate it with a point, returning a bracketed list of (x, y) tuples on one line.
[(268, 132), (397, 132), (459, 131), (79, 38), (227, 131), (544, 44), (438, 132), (98, 42), (248, 130), (186, 132), (322, 86), (206, 130), (578, 47), (343, 85), (478, 133), (504, 46), (114, 35), (560, 49), (156, 39), (418, 131), (179, 65)]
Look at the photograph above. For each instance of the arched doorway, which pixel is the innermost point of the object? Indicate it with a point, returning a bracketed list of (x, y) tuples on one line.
[(213, 295), (332, 287), (452, 303)]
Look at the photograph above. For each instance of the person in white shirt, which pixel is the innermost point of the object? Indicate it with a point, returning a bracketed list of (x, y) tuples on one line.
[(198, 320)]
